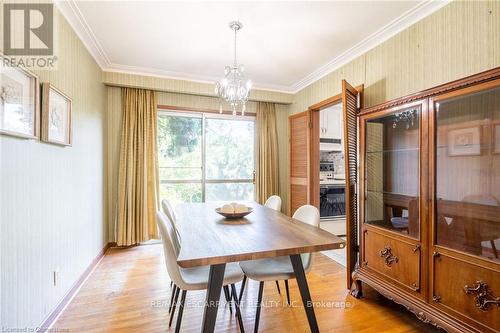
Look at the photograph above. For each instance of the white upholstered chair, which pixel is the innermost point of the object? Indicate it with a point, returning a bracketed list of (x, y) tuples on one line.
[(279, 268), (274, 202), (168, 209), (195, 278)]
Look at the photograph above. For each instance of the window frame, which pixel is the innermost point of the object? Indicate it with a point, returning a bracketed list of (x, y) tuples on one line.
[(204, 181)]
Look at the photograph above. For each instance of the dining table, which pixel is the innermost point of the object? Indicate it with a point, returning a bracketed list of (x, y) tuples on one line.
[(209, 239)]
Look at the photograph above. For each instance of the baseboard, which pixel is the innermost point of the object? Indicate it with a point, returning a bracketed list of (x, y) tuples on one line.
[(54, 315)]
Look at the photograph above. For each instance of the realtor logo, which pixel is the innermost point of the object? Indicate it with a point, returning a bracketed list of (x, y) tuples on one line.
[(28, 29)]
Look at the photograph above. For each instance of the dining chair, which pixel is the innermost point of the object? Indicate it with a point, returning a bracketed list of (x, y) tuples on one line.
[(273, 202), (168, 209), (279, 268), (191, 279)]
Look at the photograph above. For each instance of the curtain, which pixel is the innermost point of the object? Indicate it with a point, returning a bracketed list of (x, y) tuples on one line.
[(267, 182), (138, 169)]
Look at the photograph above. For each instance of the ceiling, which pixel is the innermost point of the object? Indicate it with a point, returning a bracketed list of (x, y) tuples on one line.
[(283, 45)]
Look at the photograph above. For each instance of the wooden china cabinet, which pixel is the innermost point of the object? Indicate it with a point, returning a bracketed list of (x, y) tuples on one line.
[(429, 203)]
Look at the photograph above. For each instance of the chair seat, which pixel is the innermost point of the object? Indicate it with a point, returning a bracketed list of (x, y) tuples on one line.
[(271, 269), (196, 278)]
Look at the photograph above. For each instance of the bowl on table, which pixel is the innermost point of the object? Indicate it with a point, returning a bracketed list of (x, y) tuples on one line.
[(234, 211)]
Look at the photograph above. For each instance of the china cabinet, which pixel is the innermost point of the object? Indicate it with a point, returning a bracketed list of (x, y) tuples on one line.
[(429, 203)]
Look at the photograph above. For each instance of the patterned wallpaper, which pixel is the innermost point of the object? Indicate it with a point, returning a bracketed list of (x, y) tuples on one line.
[(461, 39), (185, 87), (53, 203)]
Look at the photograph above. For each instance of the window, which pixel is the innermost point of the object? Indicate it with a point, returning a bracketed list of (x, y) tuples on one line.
[(205, 157)]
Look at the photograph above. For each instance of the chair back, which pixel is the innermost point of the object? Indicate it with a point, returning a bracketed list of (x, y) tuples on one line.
[(310, 215), (307, 214), (170, 252), (169, 210), (274, 202), (172, 219)]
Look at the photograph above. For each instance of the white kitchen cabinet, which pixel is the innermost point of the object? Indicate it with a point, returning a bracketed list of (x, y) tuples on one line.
[(331, 129)]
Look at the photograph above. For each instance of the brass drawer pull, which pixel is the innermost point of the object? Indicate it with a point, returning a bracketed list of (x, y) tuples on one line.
[(483, 297), (389, 258)]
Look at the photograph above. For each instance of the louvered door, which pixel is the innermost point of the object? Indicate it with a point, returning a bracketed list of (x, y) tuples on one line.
[(350, 110), (299, 155)]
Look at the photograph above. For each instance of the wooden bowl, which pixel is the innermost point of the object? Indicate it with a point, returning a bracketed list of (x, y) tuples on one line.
[(234, 215)]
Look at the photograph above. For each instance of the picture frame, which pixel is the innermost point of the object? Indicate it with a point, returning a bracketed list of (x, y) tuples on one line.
[(464, 141), (56, 116), (496, 138), (19, 102)]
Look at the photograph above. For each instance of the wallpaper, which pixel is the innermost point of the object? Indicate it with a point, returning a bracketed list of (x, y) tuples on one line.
[(185, 87), (53, 198), (461, 39)]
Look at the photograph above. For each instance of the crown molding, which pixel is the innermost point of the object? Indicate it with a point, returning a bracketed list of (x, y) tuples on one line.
[(75, 18), (160, 73), (394, 27), (72, 13), (70, 10)]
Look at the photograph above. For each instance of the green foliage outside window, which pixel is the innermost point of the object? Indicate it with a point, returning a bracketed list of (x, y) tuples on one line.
[(229, 156)]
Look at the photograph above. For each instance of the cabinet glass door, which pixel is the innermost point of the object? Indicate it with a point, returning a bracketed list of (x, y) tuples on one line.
[(467, 149), (392, 155)]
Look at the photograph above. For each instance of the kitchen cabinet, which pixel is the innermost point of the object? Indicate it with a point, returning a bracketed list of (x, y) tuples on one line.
[(331, 128)]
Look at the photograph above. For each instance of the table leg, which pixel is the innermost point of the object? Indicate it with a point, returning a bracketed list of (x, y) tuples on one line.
[(215, 279), (300, 276)]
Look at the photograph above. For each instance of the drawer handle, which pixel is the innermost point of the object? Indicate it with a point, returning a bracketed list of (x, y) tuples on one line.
[(389, 258), (484, 297)]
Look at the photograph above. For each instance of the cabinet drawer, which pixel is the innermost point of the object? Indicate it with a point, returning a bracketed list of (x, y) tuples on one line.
[(468, 289), (393, 258)]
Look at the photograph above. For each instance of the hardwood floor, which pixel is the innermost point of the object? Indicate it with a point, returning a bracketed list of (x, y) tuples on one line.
[(129, 292)]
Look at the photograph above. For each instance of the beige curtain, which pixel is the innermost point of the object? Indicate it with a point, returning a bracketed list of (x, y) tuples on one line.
[(267, 182), (138, 169)]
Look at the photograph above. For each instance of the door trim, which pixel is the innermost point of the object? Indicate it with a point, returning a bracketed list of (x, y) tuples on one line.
[(314, 141)]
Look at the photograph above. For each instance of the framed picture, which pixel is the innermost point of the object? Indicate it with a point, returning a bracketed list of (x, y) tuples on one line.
[(19, 102), (496, 138), (56, 116), (464, 141)]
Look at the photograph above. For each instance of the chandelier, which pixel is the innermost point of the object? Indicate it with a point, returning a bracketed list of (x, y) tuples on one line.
[(408, 117), (234, 88)]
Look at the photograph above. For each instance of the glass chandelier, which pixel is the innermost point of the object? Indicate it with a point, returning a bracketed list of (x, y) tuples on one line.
[(408, 117), (234, 88)]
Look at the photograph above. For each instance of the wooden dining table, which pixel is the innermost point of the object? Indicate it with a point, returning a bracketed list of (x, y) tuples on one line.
[(210, 239)]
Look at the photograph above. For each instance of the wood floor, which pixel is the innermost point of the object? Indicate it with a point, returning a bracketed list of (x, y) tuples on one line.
[(129, 292)]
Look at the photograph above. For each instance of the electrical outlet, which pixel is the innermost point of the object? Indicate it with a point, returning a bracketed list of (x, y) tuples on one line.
[(55, 277)]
